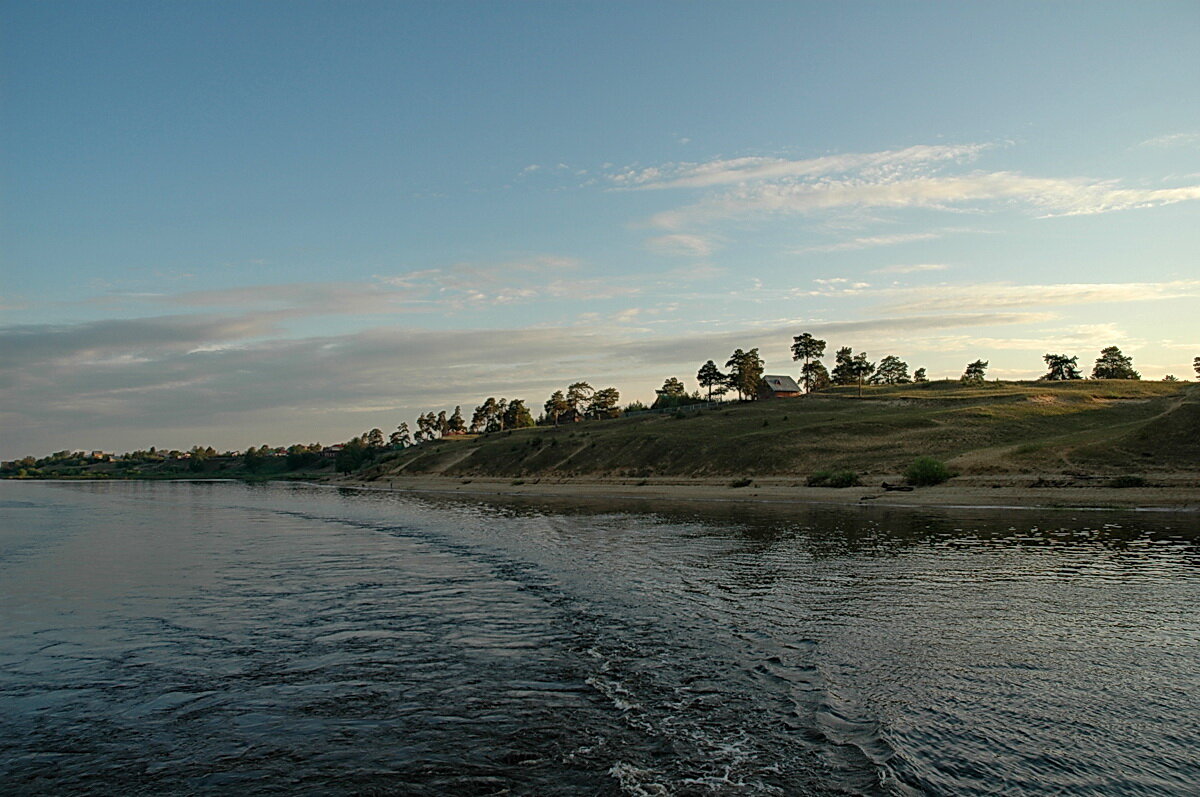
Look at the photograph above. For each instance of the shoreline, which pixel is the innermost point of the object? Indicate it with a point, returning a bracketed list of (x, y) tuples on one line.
[(992, 493)]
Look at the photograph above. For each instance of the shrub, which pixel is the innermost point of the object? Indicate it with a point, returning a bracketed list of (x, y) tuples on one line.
[(1127, 481), (740, 483), (844, 478), (925, 471), (827, 478)]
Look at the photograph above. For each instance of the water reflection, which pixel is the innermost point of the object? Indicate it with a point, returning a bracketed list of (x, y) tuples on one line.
[(200, 637)]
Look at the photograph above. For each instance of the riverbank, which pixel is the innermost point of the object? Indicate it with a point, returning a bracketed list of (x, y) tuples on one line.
[(1177, 492)]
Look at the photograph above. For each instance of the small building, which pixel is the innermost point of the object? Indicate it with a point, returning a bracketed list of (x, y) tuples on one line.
[(776, 386)]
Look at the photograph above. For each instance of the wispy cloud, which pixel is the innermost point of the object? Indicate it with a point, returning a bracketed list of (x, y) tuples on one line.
[(871, 242), (1173, 140), (684, 244), (997, 295), (1041, 195), (759, 169), (911, 269)]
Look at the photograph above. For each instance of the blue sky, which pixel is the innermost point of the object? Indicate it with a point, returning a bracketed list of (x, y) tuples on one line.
[(246, 223)]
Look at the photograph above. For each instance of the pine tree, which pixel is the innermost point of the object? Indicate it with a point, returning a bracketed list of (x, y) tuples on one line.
[(919, 375), (709, 376), (844, 372), (1113, 365), (806, 347), (974, 372), (892, 371), (456, 424), (604, 403), (814, 376), (1061, 368), (578, 396), (745, 372), (556, 406)]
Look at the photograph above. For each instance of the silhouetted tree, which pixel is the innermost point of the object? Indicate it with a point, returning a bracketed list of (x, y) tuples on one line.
[(892, 371), (745, 372), (806, 347), (1170, 378), (974, 372), (919, 375), (456, 424), (375, 440), (1113, 365), (1196, 366), (556, 406), (1061, 368), (604, 403), (843, 367), (401, 438), (814, 376), (578, 396), (517, 415), (709, 376)]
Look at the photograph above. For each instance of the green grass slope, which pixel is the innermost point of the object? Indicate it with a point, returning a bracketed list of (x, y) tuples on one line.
[(997, 427)]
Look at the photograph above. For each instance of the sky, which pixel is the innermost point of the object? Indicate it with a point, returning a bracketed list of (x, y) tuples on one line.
[(235, 224)]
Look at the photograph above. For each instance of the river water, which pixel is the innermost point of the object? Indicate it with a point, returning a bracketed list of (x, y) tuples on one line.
[(205, 638)]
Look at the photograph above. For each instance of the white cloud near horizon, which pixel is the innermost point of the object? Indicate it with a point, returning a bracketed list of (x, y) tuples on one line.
[(910, 269), (998, 295), (1045, 196)]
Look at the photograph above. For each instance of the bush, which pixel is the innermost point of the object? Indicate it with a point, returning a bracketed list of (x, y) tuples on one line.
[(1127, 481), (925, 471), (740, 483), (840, 478)]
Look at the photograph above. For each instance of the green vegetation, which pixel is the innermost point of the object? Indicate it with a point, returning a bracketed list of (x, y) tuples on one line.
[(832, 478), (926, 471), (1105, 427)]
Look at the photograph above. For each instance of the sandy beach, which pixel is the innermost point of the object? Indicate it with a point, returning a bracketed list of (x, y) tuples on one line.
[(1177, 492)]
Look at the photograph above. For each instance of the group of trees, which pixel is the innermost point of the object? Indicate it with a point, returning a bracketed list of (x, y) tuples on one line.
[(1111, 364), (849, 368), (745, 370), (496, 415), (581, 401)]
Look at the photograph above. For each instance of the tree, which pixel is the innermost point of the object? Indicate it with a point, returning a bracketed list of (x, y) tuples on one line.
[(375, 440), (843, 367), (401, 438), (1061, 368), (814, 376), (709, 376), (578, 396), (1196, 365), (478, 420), (1170, 378), (456, 424), (1113, 365), (806, 347), (604, 403), (863, 368), (892, 371), (556, 406), (443, 423), (919, 375), (745, 372), (352, 455), (672, 387), (974, 372), (517, 415)]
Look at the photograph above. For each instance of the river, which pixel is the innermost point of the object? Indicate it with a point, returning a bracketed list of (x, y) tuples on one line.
[(221, 638)]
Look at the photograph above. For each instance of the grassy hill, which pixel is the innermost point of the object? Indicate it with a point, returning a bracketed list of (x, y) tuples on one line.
[(1102, 427)]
